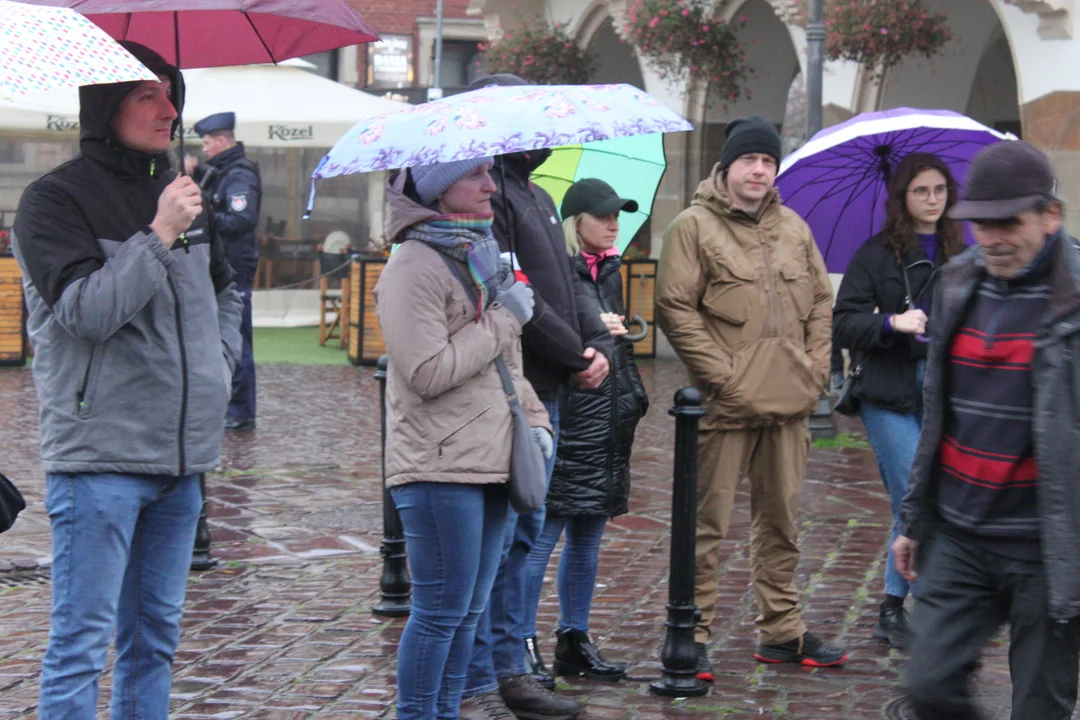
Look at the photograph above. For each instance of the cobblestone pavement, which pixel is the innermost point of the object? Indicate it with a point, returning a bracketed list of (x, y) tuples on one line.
[(283, 628)]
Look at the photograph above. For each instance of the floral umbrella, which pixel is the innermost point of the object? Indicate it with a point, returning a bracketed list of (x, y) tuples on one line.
[(43, 49), (497, 120)]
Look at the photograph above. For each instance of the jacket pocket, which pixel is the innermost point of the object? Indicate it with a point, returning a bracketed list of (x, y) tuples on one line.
[(729, 298), (799, 287), (771, 380), (447, 439), (84, 396)]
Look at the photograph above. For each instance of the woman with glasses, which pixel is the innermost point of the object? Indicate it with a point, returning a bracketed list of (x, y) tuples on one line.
[(880, 316)]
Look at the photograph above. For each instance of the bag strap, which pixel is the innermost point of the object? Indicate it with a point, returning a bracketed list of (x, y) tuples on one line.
[(474, 295)]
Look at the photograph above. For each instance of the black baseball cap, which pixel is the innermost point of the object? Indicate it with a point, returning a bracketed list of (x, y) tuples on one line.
[(1005, 179), (596, 197)]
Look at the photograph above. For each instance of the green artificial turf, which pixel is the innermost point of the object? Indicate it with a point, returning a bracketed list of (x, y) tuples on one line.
[(296, 346)]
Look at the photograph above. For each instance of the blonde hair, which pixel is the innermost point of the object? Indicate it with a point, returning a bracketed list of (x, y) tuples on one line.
[(569, 228)]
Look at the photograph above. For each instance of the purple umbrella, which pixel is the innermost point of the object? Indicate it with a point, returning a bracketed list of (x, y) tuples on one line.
[(838, 180)]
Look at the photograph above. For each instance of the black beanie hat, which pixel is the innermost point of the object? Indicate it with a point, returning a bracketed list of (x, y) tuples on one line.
[(752, 134)]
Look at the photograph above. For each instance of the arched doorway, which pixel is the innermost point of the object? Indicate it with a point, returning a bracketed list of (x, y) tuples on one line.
[(775, 64), (974, 74)]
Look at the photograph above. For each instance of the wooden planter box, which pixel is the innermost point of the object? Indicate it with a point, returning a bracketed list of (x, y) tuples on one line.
[(12, 313), (639, 286), (366, 344)]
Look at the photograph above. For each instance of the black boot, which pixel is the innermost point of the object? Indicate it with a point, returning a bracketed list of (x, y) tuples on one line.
[(201, 559), (575, 654), (537, 668)]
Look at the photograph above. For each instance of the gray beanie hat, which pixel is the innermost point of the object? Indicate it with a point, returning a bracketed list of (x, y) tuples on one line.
[(431, 181)]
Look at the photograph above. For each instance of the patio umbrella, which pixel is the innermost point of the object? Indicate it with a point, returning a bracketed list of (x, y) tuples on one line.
[(43, 49), (212, 33), (632, 166), (494, 121), (838, 180)]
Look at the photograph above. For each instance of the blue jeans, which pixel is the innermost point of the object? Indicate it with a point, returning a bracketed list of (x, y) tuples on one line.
[(121, 552), (577, 570), (499, 651), (895, 437), (453, 537)]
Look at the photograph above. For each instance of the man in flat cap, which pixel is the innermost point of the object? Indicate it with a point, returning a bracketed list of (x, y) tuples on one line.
[(231, 182), (992, 514)]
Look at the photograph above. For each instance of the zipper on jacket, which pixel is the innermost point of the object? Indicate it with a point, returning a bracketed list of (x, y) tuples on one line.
[(80, 396), (184, 377), (771, 328), (153, 166), (446, 439)]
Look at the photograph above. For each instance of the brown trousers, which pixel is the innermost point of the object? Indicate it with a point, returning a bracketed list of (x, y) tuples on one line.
[(774, 459)]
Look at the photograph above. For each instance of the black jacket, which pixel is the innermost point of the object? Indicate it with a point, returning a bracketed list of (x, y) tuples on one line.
[(565, 319), (1055, 418), (875, 280), (592, 467), (234, 191)]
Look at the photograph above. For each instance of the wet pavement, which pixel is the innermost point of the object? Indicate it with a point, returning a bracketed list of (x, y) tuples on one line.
[(283, 627)]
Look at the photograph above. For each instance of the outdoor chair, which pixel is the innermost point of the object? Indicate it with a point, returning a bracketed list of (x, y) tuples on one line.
[(333, 269)]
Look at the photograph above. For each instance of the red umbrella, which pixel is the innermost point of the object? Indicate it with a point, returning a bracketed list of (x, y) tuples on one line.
[(212, 33)]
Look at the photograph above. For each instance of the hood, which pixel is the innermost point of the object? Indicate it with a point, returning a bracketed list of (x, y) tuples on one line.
[(403, 211), (99, 103), (712, 195)]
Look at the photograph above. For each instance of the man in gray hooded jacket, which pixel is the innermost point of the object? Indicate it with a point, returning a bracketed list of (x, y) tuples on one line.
[(134, 320)]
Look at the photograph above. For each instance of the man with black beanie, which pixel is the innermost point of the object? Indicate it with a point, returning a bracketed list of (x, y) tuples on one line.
[(135, 322), (566, 341), (744, 298)]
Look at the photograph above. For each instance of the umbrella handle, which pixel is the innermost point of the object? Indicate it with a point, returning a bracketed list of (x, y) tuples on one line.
[(638, 336)]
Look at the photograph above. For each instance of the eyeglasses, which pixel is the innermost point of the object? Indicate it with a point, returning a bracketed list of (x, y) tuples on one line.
[(923, 193)]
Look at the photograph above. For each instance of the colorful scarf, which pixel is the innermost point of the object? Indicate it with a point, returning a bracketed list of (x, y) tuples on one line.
[(467, 238)]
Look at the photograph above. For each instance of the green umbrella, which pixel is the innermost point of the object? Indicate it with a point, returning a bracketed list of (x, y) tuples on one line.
[(633, 166)]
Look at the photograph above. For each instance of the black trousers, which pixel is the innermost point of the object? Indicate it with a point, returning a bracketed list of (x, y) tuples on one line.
[(965, 594)]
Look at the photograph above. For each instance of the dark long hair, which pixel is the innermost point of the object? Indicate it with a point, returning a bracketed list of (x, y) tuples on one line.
[(900, 236)]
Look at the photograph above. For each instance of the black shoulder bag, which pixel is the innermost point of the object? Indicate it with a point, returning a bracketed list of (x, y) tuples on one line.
[(11, 503)]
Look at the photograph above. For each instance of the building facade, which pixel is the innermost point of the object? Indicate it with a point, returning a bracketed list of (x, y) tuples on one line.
[(1010, 65)]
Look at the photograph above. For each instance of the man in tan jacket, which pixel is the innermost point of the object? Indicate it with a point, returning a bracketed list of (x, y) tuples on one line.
[(744, 298)]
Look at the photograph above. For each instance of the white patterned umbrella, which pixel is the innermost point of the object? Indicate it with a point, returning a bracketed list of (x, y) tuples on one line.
[(47, 48)]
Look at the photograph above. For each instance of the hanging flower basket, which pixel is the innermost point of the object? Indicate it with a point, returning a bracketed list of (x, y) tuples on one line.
[(679, 37), (881, 33), (540, 53)]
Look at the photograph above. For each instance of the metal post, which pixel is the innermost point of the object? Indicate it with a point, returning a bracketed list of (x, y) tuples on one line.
[(815, 67), (435, 93), (395, 585), (678, 656), (200, 556)]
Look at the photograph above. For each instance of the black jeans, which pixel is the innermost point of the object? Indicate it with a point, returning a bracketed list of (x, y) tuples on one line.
[(965, 595)]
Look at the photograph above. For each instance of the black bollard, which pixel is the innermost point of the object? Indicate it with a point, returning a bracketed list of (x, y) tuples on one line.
[(821, 420), (201, 559), (394, 585), (679, 656)]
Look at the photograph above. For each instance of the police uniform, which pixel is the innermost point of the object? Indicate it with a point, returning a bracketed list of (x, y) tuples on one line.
[(233, 188)]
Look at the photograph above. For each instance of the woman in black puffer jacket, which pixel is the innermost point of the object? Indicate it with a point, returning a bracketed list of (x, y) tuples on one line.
[(591, 481)]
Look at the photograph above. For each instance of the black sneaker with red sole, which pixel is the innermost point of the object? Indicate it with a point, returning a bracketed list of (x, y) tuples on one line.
[(704, 667), (807, 650)]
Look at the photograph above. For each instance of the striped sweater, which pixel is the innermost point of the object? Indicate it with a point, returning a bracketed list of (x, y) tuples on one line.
[(987, 476)]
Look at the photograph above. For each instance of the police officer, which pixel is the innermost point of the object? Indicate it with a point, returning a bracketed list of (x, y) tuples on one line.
[(233, 187)]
